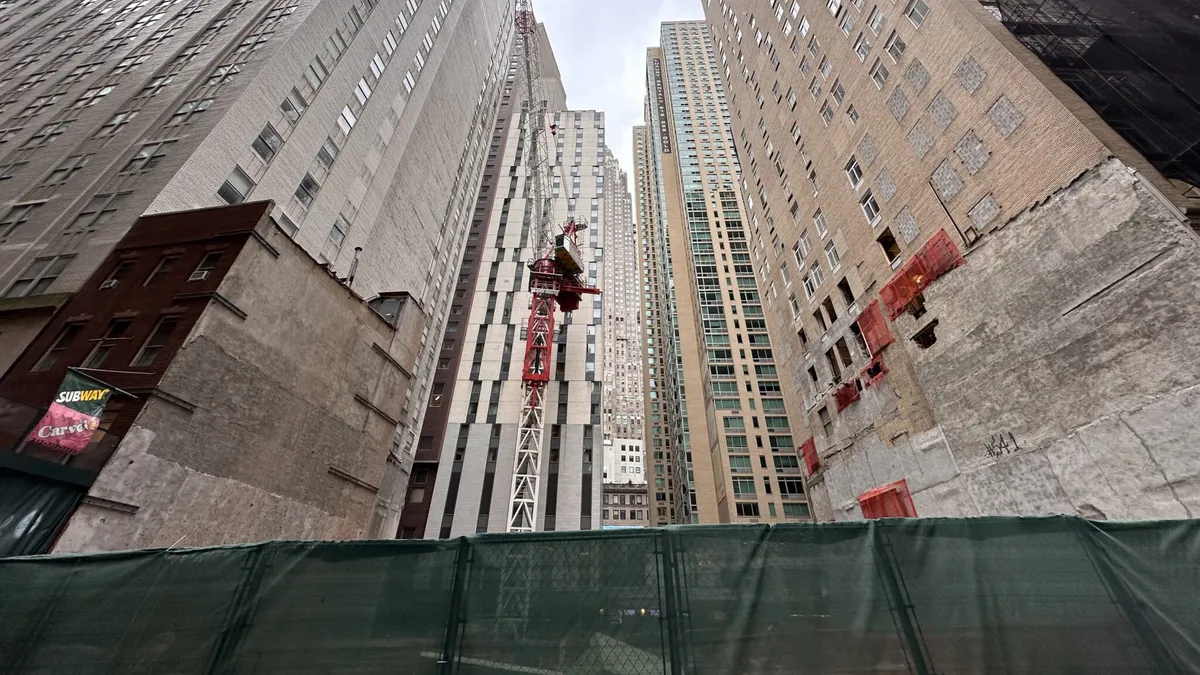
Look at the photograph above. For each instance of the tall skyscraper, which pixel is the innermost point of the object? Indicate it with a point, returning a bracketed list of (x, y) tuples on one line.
[(733, 454), (465, 454), (660, 368), (625, 467), (622, 417), (980, 292), (364, 122)]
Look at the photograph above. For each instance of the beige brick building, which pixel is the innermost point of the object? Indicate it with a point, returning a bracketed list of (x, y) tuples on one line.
[(1051, 372)]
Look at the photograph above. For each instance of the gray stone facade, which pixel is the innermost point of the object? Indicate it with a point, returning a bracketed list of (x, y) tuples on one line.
[(364, 121)]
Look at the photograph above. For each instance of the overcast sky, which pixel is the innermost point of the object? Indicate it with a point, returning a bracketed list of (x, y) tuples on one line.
[(601, 46)]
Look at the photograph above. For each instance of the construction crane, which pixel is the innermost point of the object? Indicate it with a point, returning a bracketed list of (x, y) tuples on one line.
[(555, 281)]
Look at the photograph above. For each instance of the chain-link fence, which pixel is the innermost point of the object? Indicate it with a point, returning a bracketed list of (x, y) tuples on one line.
[(993, 595)]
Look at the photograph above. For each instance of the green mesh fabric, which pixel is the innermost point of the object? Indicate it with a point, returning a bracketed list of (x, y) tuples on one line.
[(989, 595)]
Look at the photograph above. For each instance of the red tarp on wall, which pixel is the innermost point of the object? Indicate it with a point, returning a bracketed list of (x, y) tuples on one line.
[(875, 328), (938, 256), (888, 501), (845, 395), (811, 459)]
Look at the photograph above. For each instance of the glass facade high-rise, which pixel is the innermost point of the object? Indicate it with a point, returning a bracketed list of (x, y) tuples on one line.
[(720, 406)]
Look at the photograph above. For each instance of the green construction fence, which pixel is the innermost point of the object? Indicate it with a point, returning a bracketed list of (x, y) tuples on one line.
[(922, 596)]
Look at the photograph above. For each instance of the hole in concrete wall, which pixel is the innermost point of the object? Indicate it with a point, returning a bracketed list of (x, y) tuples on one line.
[(874, 370), (926, 337), (917, 306)]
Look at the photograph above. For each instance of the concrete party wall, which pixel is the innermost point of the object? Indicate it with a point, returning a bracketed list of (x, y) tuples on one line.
[(1064, 376)]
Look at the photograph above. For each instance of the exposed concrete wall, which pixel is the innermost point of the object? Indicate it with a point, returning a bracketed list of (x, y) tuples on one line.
[(281, 442), (1064, 378)]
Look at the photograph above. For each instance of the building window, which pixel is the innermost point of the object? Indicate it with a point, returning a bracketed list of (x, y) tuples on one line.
[(185, 112), (916, 12), (307, 190), (316, 73), (118, 273), (435, 397), (293, 106), (115, 123), (854, 173), (237, 187), (847, 25), (895, 47), (876, 20), (38, 277), (749, 510), (826, 113), (147, 157), (870, 208), (879, 74), (346, 120), (835, 261), (838, 92), (164, 267), (267, 143), (113, 337), (815, 271), (206, 266), (15, 217), (890, 248), (862, 46), (820, 224), (156, 342), (91, 97), (47, 134), (810, 288), (328, 152), (337, 234), (61, 344), (362, 91)]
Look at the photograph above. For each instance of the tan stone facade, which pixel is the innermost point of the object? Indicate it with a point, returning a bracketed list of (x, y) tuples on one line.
[(734, 454), (866, 128)]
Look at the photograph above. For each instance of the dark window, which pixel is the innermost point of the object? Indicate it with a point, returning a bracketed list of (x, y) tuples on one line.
[(156, 342), (119, 272), (267, 143), (206, 266), (307, 191), (113, 337), (61, 344), (161, 270), (888, 243), (38, 277)]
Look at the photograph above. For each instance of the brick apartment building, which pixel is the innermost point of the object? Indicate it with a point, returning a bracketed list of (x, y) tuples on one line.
[(984, 295), (238, 418)]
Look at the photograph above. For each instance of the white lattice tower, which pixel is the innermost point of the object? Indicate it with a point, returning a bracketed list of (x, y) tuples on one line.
[(527, 461)]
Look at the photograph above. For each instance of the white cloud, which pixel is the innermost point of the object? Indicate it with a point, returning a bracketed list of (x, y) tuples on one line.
[(601, 47)]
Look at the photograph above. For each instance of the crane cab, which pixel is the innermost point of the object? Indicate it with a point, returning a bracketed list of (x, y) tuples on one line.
[(566, 255)]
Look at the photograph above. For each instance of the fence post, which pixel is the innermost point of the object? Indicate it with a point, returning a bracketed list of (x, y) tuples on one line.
[(1161, 655), (671, 593), (241, 611), (889, 573), (454, 620)]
